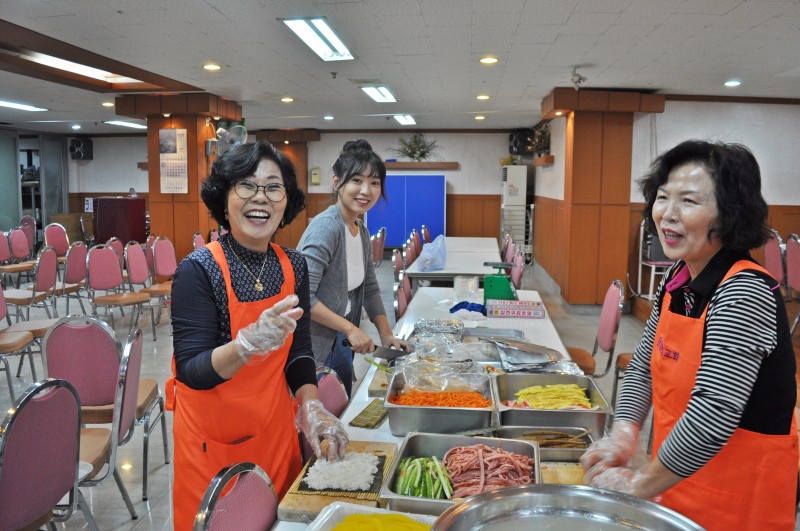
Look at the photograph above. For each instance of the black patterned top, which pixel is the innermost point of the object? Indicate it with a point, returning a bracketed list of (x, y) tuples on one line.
[(201, 321)]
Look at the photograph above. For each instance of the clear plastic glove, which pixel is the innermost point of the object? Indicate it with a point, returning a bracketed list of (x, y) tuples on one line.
[(616, 449), (317, 424), (620, 479), (269, 331)]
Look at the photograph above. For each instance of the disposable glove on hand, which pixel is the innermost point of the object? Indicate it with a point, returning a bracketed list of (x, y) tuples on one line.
[(269, 332), (621, 479), (614, 450), (317, 424)]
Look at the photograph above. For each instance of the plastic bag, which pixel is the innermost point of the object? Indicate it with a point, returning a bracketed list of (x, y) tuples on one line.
[(433, 256), (422, 375)]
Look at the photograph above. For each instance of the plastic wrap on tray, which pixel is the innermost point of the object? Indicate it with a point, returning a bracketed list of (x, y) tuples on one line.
[(423, 375), (449, 348), (446, 326)]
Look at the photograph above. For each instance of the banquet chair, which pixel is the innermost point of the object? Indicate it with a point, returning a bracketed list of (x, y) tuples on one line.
[(773, 257), (104, 274), (793, 271), (164, 266), (8, 267), (511, 248), (28, 226), (55, 235), (332, 392), (606, 338), (13, 342), (397, 264), (138, 275), (417, 241), (148, 253), (86, 352), (43, 289), (381, 245), (405, 283), (213, 235), (517, 270), (119, 248), (426, 235), (410, 254), (36, 473), (20, 253), (651, 255), (74, 279), (198, 241), (250, 505), (400, 301), (375, 245), (87, 228)]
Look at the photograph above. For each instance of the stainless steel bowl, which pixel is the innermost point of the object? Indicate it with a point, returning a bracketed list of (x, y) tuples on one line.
[(559, 507)]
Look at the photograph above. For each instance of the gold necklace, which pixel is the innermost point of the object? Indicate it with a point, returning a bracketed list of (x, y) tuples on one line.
[(258, 285)]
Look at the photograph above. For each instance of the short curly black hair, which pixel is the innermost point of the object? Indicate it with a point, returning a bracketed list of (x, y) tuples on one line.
[(355, 158), (742, 221), (241, 162)]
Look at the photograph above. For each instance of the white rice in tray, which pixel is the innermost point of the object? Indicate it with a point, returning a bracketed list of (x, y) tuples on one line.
[(355, 472)]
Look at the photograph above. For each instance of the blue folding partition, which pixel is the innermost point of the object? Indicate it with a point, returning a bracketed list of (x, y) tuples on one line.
[(414, 200)]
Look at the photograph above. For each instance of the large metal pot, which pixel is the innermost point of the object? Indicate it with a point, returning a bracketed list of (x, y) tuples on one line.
[(559, 507)]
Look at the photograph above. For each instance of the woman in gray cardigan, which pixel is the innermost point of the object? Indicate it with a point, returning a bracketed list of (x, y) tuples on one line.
[(340, 271)]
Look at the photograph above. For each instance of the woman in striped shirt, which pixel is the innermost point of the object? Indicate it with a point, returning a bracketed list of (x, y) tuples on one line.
[(716, 360)]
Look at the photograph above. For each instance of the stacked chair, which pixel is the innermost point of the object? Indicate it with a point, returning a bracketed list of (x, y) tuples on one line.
[(251, 503)]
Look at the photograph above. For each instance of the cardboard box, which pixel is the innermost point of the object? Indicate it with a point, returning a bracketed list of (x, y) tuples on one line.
[(523, 309)]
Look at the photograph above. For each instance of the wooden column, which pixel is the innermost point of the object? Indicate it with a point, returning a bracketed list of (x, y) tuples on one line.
[(595, 231)]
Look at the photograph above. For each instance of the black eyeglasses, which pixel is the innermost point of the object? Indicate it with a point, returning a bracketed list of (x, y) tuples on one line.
[(248, 189)]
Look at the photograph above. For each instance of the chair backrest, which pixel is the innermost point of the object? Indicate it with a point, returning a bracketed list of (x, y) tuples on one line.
[(87, 227), (18, 242), (198, 241), (382, 238), (213, 235), (405, 282), (75, 268), (400, 301), (332, 392), (417, 241), (164, 261), (5, 248), (511, 248), (148, 252), (103, 270), (517, 269), (55, 235), (375, 245), (610, 316), (46, 271), (793, 262), (397, 264), (137, 264), (426, 234), (773, 256), (411, 253), (28, 226), (250, 504), (130, 370), (119, 248), (39, 453)]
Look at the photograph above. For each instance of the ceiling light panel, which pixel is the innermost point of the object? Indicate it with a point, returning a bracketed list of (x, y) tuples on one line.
[(20, 106), (126, 124), (76, 68), (380, 94), (319, 36), (405, 119)]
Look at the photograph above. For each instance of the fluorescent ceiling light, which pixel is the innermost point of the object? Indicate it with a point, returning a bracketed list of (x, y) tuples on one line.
[(107, 104), (126, 124), (76, 126), (318, 36), (733, 83), (489, 60), (328, 117), (379, 94), (480, 117), (482, 97), (212, 67), (404, 119), (20, 106), (287, 99), (75, 68)]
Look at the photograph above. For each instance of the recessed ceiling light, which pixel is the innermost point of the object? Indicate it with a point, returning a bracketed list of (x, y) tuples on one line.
[(482, 97), (559, 113), (167, 115), (20, 106), (404, 119), (380, 94), (107, 104), (287, 99), (285, 141), (211, 67), (69, 66), (217, 118), (318, 36), (480, 117), (489, 60), (126, 124), (733, 83), (328, 117), (76, 126), (126, 466)]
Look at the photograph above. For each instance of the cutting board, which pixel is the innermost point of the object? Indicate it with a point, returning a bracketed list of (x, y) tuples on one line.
[(294, 506), (379, 385)]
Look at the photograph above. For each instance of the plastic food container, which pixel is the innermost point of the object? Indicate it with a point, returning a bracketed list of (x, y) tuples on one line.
[(550, 454), (506, 385), (430, 444)]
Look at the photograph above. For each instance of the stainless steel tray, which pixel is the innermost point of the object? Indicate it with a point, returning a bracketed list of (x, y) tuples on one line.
[(560, 507), (550, 454), (429, 444), (405, 419), (504, 386), (476, 334)]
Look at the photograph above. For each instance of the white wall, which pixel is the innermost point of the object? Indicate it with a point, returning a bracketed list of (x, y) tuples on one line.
[(550, 178), (478, 155), (112, 168), (770, 131)]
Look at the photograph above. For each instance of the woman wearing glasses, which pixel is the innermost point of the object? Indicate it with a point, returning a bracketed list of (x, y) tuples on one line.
[(240, 317), (342, 277)]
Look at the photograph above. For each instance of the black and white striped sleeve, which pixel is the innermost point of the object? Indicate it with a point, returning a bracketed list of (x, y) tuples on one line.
[(741, 330)]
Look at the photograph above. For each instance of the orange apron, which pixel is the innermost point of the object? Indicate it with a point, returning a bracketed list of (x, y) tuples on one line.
[(751, 483), (247, 418)]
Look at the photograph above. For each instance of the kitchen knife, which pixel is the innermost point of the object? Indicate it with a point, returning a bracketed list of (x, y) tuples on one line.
[(383, 352)]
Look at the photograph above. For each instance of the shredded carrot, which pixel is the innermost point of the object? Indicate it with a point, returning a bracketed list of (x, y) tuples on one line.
[(442, 399)]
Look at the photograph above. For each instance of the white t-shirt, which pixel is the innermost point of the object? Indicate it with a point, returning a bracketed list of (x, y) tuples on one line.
[(355, 262)]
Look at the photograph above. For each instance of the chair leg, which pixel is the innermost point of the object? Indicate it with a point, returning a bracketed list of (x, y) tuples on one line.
[(80, 300), (124, 492), (87, 512), (145, 451), (617, 373), (794, 325), (152, 320), (6, 368)]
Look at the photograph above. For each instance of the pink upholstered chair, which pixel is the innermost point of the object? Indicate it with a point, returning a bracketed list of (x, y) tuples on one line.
[(164, 265), (213, 235), (332, 392), (55, 235), (13, 342), (417, 241), (375, 246), (138, 275), (28, 226), (39, 442), (9, 266), (517, 270), (74, 280), (400, 300), (606, 338), (405, 283), (198, 241), (793, 271), (397, 264), (43, 289), (85, 351), (773, 257), (251, 504), (426, 235), (511, 248)]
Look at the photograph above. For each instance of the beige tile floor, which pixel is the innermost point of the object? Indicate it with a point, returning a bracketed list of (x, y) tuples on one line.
[(577, 326)]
